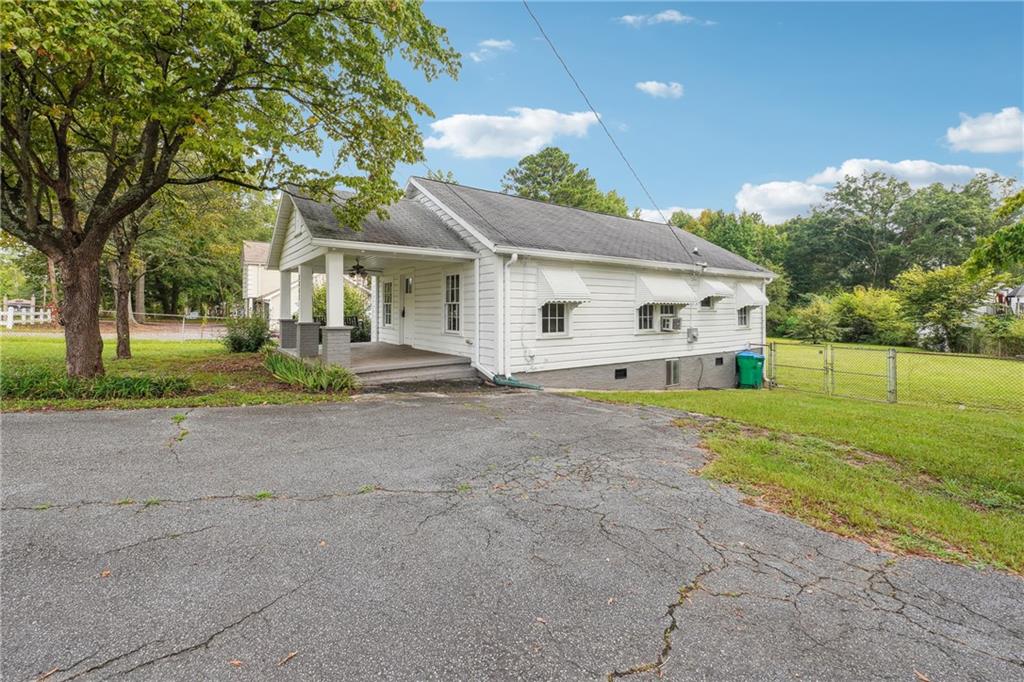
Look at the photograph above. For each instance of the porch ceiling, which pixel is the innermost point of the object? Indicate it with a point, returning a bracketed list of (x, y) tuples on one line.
[(372, 260)]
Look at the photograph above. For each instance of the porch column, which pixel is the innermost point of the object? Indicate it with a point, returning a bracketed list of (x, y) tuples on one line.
[(307, 331), (337, 336), (284, 312)]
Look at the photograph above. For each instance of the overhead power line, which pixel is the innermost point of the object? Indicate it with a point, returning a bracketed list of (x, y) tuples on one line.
[(594, 111)]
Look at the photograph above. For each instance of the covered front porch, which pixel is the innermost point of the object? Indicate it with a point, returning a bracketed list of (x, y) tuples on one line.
[(376, 362)]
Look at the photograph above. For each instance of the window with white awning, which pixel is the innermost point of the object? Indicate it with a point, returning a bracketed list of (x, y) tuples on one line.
[(558, 285), (712, 288), (662, 289), (750, 295)]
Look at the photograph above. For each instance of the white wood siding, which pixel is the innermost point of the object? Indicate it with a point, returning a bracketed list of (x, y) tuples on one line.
[(489, 264), (426, 313), (298, 244), (604, 330)]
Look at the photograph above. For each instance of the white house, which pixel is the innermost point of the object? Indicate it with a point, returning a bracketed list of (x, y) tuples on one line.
[(522, 291)]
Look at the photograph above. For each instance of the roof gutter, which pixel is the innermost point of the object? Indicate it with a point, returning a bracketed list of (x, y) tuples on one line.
[(632, 262)]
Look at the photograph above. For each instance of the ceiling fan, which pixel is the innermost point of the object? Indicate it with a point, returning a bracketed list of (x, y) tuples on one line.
[(359, 271)]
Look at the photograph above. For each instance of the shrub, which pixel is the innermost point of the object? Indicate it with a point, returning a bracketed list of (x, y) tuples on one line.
[(312, 377), (52, 384), (868, 315), (816, 321), (246, 334), (1002, 335)]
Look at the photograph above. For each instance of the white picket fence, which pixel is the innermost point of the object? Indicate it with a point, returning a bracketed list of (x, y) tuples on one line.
[(12, 316)]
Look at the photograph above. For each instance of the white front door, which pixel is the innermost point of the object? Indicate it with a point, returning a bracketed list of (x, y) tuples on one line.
[(406, 309)]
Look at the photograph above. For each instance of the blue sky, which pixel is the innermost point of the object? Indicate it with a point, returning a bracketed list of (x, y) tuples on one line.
[(732, 105)]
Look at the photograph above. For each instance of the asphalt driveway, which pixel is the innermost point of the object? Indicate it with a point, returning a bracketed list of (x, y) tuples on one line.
[(470, 536)]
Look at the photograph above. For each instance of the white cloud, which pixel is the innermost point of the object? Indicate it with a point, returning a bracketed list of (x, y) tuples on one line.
[(669, 16), (490, 48), (778, 201), (475, 136), (652, 214), (917, 172), (671, 90), (994, 133), (781, 200)]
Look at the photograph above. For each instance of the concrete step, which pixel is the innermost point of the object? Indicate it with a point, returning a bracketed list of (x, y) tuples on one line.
[(447, 371)]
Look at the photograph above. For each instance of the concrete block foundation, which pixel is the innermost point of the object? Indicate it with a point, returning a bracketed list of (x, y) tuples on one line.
[(712, 370)]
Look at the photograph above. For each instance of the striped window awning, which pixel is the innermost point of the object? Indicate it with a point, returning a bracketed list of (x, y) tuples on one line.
[(750, 295), (664, 289), (561, 285), (712, 288)]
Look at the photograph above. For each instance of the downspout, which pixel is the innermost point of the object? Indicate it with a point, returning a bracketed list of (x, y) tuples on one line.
[(507, 331), (476, 288)]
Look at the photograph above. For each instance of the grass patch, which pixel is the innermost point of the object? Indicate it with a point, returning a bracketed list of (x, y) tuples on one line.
[(942, 482), (154, 377), (262, 495), (921, 377)]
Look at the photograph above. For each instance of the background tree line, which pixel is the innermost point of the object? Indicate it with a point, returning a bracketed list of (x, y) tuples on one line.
[(877, 262)]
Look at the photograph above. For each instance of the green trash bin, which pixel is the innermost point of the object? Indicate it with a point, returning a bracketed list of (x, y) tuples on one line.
[(750, 368)]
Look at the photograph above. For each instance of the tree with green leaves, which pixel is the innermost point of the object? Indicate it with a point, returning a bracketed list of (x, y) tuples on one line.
[(442, 176), (105, 103), (941, 302), (551, 176), (1004, 248)]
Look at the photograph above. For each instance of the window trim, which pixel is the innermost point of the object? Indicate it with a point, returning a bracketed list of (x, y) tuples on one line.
[(639, 316), (445, 303), (387, 307), (673, 367), (743, 316), (567, 314)]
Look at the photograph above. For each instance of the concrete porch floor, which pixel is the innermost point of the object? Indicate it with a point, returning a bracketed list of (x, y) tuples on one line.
[(376, 362)]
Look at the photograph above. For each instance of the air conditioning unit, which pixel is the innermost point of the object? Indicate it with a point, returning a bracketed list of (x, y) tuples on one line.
[(671, 324)]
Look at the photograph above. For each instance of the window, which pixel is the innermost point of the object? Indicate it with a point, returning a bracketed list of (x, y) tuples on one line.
[(645, 317), (707, 303), (553, 318), (620, 373), (667, 318), (452, 303), (743, 316), (672, 372), (385, 304), (408, 285)]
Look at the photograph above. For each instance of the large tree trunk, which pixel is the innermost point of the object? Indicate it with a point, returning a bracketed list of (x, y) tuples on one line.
[(81, 313), (123, 289)]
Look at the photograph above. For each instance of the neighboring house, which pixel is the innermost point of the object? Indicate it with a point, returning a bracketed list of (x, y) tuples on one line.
[(261, 286), (1013, 299), (546, 294)]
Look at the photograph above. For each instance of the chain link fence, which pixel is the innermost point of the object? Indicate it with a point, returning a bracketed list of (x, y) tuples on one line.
[(897, 374)]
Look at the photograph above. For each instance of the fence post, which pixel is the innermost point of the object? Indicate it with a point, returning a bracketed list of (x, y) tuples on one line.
[(891, 395), (772, 351), (183, 327), (825, 369)]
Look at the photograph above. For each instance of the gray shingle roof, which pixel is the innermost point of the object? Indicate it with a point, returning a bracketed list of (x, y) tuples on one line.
[(409, 223), (255, 252), (512, 221)]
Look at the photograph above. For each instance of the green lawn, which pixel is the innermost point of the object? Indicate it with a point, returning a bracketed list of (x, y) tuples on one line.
[(940, 481), (218, 378), (925, 378)]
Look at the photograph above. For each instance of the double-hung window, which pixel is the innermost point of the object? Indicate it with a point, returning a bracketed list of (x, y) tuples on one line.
[(386, 303), (645, 317), (743, 316), (452, 303), (553, 318)]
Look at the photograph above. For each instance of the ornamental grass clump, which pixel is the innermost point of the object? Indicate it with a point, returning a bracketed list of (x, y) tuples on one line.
[(311, 377)]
